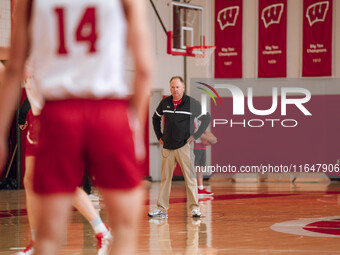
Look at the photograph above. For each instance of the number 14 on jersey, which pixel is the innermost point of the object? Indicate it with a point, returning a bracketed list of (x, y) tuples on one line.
[(85, 31)]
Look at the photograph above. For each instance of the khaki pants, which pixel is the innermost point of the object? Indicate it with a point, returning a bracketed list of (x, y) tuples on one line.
[(185, 158)]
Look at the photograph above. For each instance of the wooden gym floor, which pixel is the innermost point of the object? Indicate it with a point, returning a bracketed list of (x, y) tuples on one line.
[(243, 218)]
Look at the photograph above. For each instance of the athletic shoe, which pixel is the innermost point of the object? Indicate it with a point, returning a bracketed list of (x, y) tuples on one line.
[(28, 250), (204, 192), (196, 213), (104, 241), (158, 213)]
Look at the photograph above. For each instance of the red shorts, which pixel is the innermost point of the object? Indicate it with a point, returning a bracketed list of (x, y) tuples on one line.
[(32, 135), (92, 133)]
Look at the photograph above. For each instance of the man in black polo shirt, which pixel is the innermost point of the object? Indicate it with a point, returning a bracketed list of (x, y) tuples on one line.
[(179, 111)]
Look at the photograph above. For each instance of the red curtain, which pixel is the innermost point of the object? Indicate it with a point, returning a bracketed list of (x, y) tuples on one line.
[(272, 38), (228, 38), (317, 38)]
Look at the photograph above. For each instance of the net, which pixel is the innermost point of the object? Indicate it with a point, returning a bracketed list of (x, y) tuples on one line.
[(202, 58)]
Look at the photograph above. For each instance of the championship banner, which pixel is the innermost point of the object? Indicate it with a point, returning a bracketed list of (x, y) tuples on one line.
[(317, 38), (228, 38), (272, 39)]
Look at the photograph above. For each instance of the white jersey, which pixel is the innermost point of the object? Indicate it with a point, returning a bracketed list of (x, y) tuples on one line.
[(78, 48), (34, 97), (33, 94)]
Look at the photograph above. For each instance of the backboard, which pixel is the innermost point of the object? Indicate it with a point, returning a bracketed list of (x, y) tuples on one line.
[(186, 29)]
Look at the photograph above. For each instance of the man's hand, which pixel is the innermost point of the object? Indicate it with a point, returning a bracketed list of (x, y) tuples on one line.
[(22, 127), (161, 141), (190, 139)]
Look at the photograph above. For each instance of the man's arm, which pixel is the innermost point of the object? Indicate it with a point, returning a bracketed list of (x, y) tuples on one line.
[(139, 41), (205, 119), (209, 139), (156, 121), (10, 87)]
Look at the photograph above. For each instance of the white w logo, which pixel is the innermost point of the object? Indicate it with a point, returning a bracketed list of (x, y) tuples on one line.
[(228, 16), (317, 12), (272, 14)]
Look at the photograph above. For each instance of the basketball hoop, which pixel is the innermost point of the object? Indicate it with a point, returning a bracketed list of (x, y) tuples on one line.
[(202, 54)]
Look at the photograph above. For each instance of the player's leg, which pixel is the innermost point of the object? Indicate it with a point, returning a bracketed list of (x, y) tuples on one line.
[(201, 190), (58, 171), (52, 211), (199, 176), (198, 168), (31, 203), (30, 195), (84, 205), (30, 152), (200, 163), (124, 211), (112, 162)]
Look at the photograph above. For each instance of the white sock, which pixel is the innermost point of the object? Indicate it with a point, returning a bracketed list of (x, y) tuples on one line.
[(98, 225), (200, 187), (33, 233)]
